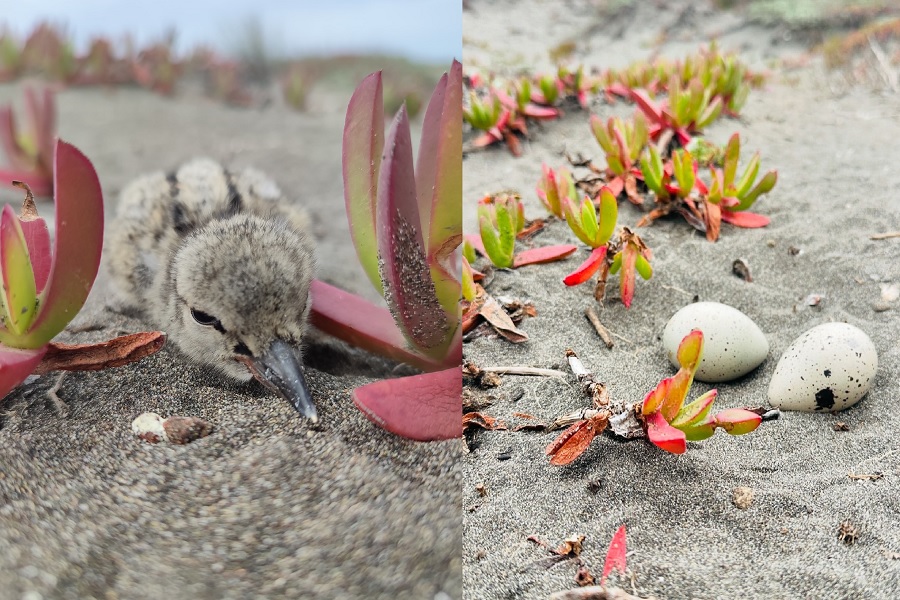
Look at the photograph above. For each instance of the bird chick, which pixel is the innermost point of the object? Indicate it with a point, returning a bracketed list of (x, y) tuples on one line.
[(223, 265)]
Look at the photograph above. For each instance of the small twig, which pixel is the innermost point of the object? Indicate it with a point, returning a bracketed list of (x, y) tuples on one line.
[(621, 337), (59, 405), (854, 473), (677, 289), (594, 592), (887, 72), (535, 371), (602, 331), (572, 418), (884, 236)]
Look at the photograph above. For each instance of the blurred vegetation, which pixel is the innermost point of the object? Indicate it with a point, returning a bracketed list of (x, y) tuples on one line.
[(242, 79)]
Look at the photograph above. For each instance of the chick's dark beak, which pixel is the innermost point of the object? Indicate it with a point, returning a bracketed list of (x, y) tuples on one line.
[(279, 369)]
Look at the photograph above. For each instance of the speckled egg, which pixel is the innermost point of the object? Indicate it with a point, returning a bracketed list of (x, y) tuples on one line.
[(828, 368), (733, 345)]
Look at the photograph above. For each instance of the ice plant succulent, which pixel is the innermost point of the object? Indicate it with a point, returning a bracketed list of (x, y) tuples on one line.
[(677, 188), (406, 228), (29, 151), (595, 231), (554, 187), (622, 141), (45, 285), (670, 423), (688, 109), (735, 197), (500, 219)]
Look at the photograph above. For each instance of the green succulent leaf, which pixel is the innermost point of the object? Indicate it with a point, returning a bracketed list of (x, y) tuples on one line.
[(361, 163), (19, 294), (764, 186), (616, 263), (695, 412), (732, 155), (742, 187), (642, 265), (499, 255), (609, 213)]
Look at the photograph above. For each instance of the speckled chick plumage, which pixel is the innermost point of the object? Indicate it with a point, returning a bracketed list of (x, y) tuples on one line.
[(216, 259)]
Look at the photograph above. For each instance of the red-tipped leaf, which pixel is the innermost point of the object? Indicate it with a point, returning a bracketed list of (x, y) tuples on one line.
[(408, 287), (362, 324), (16, 365), (738, 421), (586, 269), (363, 143), (18, 296), (79, 240), (745, 219), (543, 254), (664, 435)]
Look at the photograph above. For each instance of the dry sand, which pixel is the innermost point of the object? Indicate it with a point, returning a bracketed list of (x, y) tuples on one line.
[(264, 507), (836, 151)]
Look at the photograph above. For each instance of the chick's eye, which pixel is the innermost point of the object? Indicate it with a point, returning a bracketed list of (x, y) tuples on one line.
[(204, 319)]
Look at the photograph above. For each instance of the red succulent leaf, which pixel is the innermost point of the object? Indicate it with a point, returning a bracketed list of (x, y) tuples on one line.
[(360, 323), (409, 289), (654, 399), (745, 219), (16, 365), (544, 254), (586, 269), (615, 555), (664, 435), (540, 112), (616, 185), (648, 106), (422, 407), (627, 274)]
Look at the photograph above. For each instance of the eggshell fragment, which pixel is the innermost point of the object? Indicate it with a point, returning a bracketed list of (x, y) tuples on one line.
[(733, 345), (827, 369)]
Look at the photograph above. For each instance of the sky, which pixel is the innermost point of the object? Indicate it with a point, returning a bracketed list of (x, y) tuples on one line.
[(429, 30)]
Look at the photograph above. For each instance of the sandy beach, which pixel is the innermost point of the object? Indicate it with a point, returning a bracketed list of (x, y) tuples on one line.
[(834, 147), (265, 506)]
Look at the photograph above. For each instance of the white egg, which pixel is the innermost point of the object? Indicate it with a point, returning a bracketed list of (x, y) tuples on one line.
[(828, 368), (733, 345)]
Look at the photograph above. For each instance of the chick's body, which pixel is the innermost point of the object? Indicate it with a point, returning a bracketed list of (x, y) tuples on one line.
[(221, 263)]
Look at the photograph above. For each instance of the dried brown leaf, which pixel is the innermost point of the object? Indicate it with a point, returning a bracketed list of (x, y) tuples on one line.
[(104, 355), (477, 419)]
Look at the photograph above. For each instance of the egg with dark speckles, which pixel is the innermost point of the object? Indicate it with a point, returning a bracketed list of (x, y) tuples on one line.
[(828, 368), (733, 345)]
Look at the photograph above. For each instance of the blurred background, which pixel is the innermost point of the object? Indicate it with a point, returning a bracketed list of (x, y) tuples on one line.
[(236, 50), (146, 86)]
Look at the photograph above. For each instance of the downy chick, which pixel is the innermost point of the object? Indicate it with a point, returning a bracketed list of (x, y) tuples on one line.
[(219, 262)]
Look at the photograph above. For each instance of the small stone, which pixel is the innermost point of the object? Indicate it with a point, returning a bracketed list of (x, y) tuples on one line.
[(149, 427), (742, 497), (840, 426), (184, 430), (152, 428), (881, 306)]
